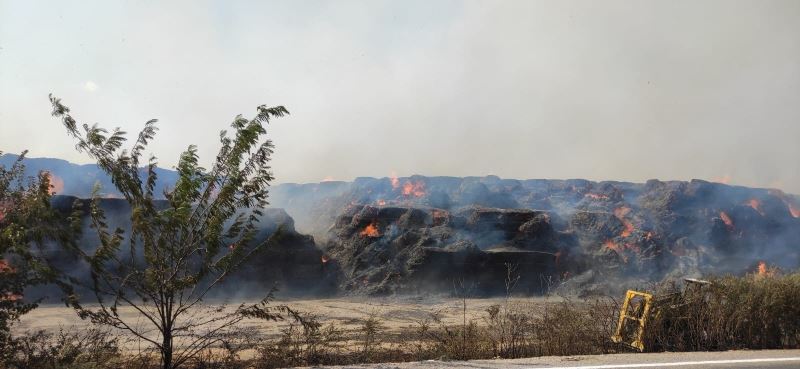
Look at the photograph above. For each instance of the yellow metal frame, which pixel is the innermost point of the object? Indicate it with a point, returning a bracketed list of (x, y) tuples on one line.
[(625, 315)]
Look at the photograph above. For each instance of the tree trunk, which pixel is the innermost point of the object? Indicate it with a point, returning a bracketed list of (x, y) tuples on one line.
[(166, 350)]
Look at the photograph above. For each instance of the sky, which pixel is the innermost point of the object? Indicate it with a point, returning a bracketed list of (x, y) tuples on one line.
[(603, 90)]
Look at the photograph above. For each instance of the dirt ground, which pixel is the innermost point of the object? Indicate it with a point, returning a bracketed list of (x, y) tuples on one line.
[(348, 313)]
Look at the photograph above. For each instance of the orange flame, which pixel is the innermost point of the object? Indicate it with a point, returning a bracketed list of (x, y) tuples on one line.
[(56, 183), (380, 202), (370, 231), (620, 213), (596, 196), (763, 270), (756, 205), (794, 210), (611, 245), (726, 219), (325, 259), (395, 181), (416, 189)]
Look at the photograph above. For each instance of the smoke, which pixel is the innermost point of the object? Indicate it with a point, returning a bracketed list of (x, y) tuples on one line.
[(619, 90), (292, 264), (639, 233), (374, 236)]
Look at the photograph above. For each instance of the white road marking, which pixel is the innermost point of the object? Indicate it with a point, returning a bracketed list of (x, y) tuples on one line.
[(680, 363)]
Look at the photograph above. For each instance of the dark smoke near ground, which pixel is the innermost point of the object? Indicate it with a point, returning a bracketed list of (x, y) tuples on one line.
[(440, 234), (291, 264), (419, 233)]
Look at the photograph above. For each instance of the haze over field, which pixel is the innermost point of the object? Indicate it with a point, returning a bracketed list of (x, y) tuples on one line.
[(520, 89)]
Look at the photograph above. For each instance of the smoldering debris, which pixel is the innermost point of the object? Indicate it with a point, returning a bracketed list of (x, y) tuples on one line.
[(415, 234), (493, 236)]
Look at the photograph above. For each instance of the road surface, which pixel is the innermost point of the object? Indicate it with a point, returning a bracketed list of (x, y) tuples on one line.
[(773, 359)]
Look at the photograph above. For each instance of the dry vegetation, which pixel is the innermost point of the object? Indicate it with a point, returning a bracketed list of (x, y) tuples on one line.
[(754, 312), (751, 312)]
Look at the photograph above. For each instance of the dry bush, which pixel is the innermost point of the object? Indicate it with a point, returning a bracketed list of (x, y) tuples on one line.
[(437, 340), (515, 330), (508, 331), (303, 345), (750, 312), (87, 349), (571, 328)]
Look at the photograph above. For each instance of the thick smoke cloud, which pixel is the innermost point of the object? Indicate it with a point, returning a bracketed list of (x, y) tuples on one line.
[(623, 90)]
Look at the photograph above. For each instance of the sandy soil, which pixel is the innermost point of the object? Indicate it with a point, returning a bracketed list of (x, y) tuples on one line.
[(395, 313)]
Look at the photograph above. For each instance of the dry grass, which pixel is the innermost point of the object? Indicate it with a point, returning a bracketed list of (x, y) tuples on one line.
[(751, 312), (755, 312)]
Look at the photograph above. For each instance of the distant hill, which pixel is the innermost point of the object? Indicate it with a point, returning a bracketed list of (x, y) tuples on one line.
[(78, 180)]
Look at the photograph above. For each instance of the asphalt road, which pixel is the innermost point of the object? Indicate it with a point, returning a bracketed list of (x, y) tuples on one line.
[(773, 359)]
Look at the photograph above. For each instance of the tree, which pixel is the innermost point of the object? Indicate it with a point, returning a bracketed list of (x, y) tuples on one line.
[(26, 220), (175, 253)]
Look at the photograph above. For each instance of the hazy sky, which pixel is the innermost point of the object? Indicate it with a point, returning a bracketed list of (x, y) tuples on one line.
[(623, 90)]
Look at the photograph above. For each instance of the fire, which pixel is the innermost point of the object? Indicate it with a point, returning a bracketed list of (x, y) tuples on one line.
[(370, 231), (56, 183), (794, 210), (763, 270), (596, 196), (756, 205), (325, 259), (380, 202), (620, 213), (726, 219), (416, 189), (395, 181), (611, 245), (232, 246)]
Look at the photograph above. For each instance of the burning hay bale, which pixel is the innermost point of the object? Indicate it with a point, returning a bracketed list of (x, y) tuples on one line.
[(621, 231), (386, 235), (405, 249)]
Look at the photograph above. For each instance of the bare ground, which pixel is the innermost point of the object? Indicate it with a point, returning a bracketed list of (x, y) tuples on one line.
[(395, 314)]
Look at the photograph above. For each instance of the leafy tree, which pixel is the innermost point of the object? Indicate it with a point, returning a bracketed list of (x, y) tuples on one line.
[(26, 220), (180, 249)]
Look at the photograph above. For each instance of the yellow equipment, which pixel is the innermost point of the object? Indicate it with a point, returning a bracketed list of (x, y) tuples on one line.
[(639, 308), (633, 319)]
